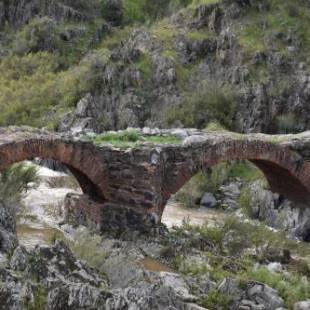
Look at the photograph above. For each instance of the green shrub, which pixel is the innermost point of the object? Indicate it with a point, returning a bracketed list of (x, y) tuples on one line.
[(88, 247), (16, 181), (211, 103), (41, 34), (216, 300), (245, 201), (292, 288), (142, 10), (132, 138), (210, 181), (286, 123)]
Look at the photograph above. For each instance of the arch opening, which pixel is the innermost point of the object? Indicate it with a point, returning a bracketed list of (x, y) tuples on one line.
[(202, 198), (258, 189), (78, 158), (37, 201)]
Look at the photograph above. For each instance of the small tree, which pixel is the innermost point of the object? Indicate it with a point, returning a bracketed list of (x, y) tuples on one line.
[(16, 181)]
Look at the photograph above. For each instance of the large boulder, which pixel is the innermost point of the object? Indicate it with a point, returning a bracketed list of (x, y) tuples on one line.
[(208, 200), (264, 295)]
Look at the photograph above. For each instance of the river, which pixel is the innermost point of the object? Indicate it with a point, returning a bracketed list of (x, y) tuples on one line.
[(42, 206)]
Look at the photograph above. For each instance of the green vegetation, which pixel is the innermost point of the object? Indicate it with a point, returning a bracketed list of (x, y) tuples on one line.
[(144, 65), (279, 17), (245, 201), (286, 123), (204, 2), (62, 69), (132, 138), (16, 181), (215, 298), (31, 86), (40, 299), (233, 249), (87, 247), (213, 102), (210, 181), (148, 10), (292, 288)]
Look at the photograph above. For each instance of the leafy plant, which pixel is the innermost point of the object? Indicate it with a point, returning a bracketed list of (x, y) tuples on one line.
[(212, 103), (16, 181)]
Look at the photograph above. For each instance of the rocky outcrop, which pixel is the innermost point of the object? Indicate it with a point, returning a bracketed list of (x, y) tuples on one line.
[(8, 238), (20, 12), (133, 97), (279, 212), (52, 276)]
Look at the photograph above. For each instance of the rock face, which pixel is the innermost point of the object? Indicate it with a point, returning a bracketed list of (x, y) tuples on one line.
[(20, 12), (8, 239), (54, 276), (279, 212), (256, 296), (143, 100)]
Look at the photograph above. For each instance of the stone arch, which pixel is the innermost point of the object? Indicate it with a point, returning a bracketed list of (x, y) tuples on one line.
[(79, 157), (286, 171)]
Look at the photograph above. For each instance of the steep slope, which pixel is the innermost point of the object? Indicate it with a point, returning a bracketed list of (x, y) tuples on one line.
[(241, 63)]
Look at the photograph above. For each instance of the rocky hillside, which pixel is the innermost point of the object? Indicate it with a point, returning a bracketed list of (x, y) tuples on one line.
[(110, 64)]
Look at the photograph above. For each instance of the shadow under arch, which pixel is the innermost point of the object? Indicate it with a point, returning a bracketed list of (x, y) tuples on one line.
[(79, 158), (285, 170)]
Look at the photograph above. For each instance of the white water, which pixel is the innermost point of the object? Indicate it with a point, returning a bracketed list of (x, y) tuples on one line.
[(38, 221), (175, 214), (42, 208)]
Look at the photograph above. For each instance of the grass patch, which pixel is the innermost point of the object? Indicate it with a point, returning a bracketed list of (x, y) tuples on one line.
[(40, 299), (116, 37), (198, 35), (144, 65), (233, 250), (132, 138), (292, 288)]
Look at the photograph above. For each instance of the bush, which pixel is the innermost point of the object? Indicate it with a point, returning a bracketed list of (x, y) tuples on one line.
[(41, 34), (146, 10), (88, 247), (16, 181), (286, 123), (212, 103), (211, 180)]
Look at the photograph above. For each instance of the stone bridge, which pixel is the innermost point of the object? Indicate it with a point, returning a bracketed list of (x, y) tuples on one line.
[(131, 187)]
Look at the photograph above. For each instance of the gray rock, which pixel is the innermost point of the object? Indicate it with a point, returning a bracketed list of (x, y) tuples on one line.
[(77, 296), (302, 305), (122, 271), (196, 139), (230, 287), (231, 190), (19, 260), (246, 304), (161, 291), (180, 133), (279, 212), (8, 241), (208, 200), (275, 267), (265, 295)]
